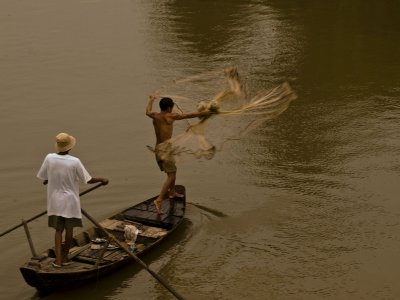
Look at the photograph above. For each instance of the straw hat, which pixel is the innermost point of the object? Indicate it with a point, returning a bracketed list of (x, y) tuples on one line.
[(64, 142)]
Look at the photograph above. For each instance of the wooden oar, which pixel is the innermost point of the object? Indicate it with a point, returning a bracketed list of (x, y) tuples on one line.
[(43, 213), (212, 211), (137, 259)]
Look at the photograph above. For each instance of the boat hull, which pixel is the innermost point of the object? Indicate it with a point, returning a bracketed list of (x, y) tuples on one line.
[(91, 261)]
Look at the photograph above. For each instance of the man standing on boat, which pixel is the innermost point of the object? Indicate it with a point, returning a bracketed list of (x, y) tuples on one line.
[(163, 126), (63, 172)]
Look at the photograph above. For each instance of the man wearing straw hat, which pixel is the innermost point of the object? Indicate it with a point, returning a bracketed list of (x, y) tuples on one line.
[(63, 172)]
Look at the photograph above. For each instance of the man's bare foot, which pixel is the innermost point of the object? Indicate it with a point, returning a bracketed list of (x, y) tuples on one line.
[(157, 204), (176, 195)]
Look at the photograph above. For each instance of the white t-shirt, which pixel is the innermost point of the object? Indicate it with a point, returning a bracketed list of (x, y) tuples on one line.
[(64, 172)]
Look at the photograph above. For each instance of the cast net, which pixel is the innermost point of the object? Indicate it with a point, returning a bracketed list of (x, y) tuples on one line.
[(235, 112)]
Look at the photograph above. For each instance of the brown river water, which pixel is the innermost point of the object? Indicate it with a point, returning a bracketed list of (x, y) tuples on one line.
[(305, 207)]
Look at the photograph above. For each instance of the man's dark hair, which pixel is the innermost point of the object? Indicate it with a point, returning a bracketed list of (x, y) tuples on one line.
[(166, 103)]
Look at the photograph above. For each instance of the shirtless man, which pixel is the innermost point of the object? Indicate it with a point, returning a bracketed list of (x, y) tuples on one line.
[(163, 126)]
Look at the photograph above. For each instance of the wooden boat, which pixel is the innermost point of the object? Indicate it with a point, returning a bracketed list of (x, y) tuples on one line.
[(94, 254)]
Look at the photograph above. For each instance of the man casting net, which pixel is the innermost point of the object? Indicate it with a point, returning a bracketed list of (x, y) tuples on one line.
[(234, 113)]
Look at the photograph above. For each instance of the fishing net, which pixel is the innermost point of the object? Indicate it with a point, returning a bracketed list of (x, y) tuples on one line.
[(235, 112)]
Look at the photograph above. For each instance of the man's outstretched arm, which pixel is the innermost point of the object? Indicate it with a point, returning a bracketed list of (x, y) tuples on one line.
[(149, 106), (191, 115)]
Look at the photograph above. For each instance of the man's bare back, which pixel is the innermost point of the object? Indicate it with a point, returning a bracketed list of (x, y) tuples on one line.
[(163, 121), (163, 126)]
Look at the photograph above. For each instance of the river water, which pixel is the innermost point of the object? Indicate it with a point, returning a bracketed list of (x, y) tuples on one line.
[(305, 207)]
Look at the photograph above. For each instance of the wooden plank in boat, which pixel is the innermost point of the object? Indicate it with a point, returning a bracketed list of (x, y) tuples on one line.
[(152, 217), (171, 219), (143, 206), (111, 224), (114, 255)]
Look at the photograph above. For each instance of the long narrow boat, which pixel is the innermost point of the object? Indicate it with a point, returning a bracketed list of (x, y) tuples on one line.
[(94, 254)]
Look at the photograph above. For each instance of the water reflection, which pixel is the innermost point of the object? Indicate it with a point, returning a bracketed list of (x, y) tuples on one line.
[(206, 27), (249, 34)]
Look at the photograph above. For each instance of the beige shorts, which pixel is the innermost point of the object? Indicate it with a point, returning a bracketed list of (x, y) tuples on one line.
[(167, 166)]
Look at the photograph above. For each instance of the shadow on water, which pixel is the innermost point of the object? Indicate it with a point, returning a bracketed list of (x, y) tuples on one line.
[(107, 285)]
